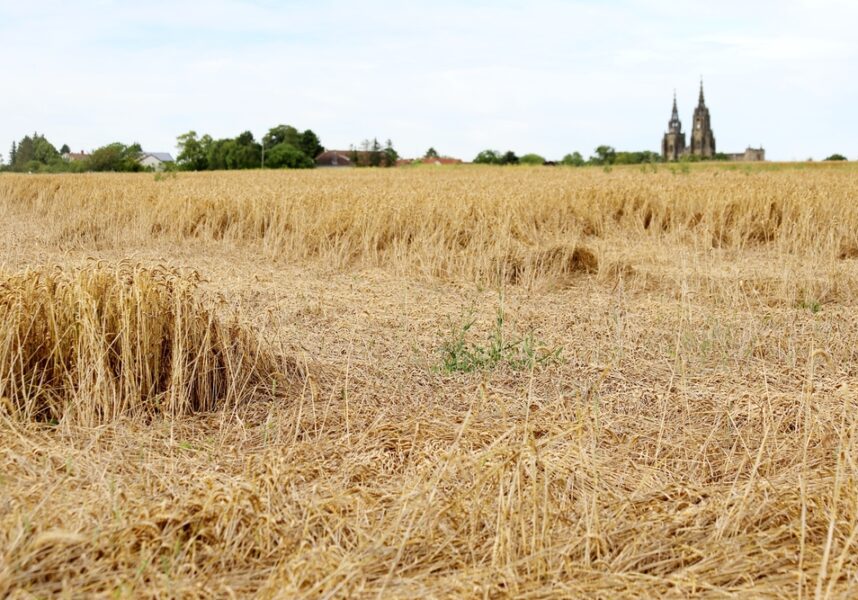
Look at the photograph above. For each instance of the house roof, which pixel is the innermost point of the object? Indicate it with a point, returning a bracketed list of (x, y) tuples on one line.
[(162, 156), (438, 160), (441, 160)]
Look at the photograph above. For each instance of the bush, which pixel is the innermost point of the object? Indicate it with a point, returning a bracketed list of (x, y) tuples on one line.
[(288, 156), (488, 157), (573, 160), (532, 159), (509, 158), (115, 157), (605, 155)]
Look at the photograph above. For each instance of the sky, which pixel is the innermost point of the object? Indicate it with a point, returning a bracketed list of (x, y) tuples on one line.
[(545, 76)]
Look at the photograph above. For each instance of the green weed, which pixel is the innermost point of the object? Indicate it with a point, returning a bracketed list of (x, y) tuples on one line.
[(459, 354), (812, 305)]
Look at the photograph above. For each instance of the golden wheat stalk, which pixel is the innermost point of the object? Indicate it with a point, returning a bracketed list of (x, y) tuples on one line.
[(96, 343)]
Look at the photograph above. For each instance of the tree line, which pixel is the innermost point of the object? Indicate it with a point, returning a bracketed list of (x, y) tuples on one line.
[(372, 154), (35, 154), (283, 146), (603, 156)]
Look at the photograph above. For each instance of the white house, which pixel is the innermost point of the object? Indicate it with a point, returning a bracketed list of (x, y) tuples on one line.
[(75, 156), (156, 160)]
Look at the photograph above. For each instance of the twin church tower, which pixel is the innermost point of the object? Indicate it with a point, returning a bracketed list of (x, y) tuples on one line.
[(702, 139)]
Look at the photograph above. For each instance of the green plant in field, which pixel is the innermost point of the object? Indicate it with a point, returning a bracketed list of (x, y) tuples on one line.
[(682, 168), (814, 306), (461, 355)]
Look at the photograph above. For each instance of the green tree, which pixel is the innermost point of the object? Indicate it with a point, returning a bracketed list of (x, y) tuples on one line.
[(284, 147), (835, 157), (217, 153), (35, 153), (363, 156), (44, 151), (287, 156), (532, 159), (244, 152), (282, 134), (636, 158), (431, 153), (25, 153), (605, 155), (310, 144), (573, 160), (115, 157), (131, 158), (375, 155), (509, 158), (390, 155), (65, 149), (192, 152), (488, 157)]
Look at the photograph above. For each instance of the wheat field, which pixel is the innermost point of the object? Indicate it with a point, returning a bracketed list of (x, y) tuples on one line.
[(456, 382)]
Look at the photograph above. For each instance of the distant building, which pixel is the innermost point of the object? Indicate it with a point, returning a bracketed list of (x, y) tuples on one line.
[(352, 158), (702, 138), (335, 158), (429, 160), (702, 143), (441, 160), (75, 156), (156, 160), (673, 143), (749, 155)]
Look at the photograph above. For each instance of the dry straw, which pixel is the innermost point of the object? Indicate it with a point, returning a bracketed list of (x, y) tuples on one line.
[(472, 224), (96, 343), (698, 439)]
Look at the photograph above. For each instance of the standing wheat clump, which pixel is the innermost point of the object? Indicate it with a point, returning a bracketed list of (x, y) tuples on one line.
[(95, 343)]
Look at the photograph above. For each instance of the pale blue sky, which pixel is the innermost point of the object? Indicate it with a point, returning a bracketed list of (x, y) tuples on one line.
[(547, 76)]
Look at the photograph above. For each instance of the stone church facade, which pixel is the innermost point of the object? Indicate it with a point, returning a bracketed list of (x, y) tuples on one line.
[(702, 142), (702, 138)]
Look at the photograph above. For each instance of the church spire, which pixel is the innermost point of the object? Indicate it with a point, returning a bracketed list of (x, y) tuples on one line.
[(702, 138), (675, 125), (673, 143)]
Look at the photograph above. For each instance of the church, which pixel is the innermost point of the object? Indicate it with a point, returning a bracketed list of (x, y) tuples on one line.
[(673, 146)]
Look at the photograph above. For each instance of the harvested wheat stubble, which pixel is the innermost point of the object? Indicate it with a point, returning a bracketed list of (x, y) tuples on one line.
[(95, 343), (699, 437), (468, 224)]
